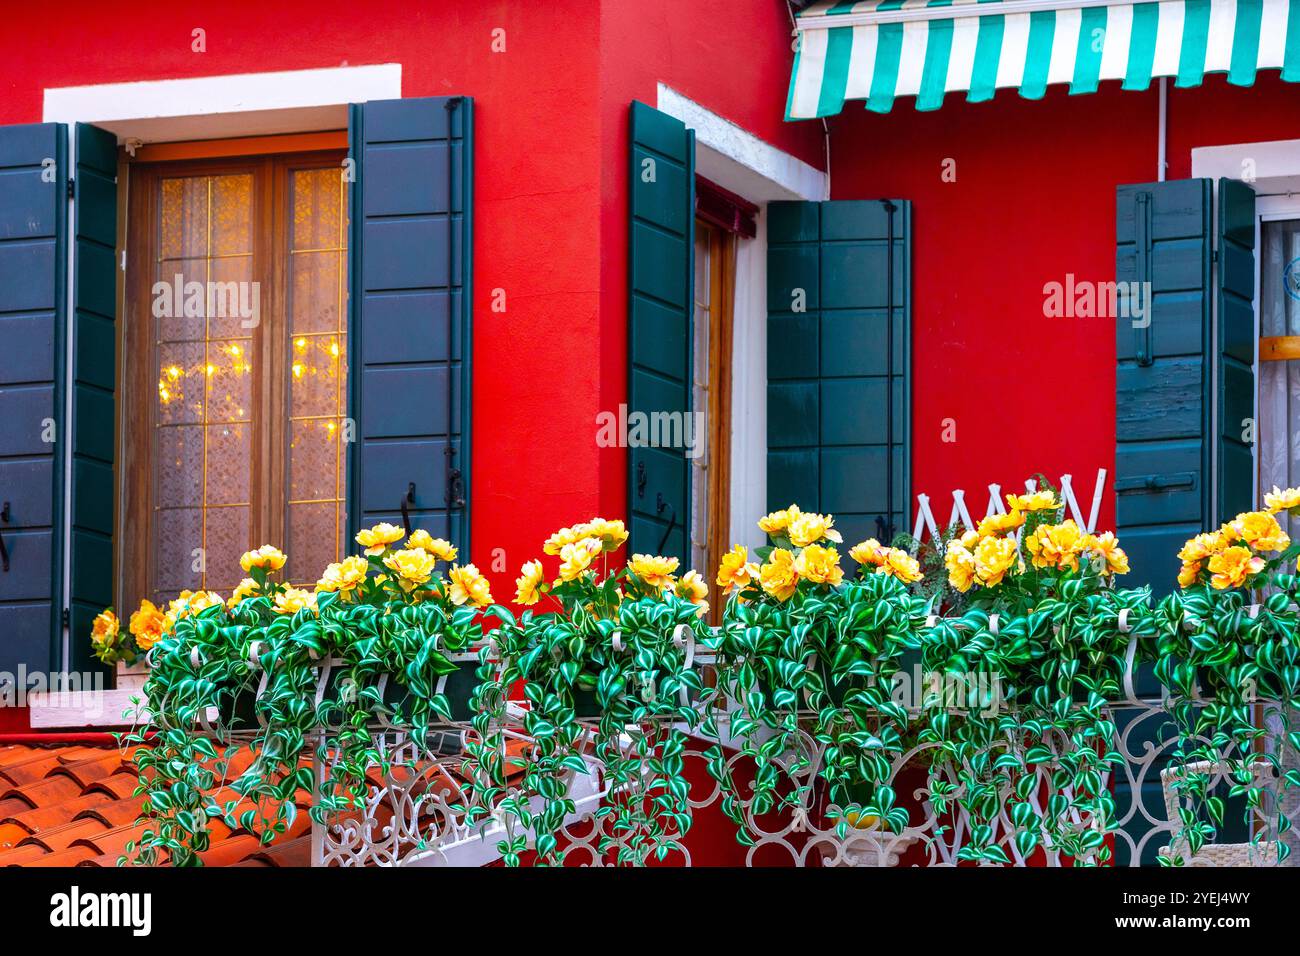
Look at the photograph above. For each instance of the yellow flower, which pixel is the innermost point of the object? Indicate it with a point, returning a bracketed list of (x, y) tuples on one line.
[(1056, 545), (268, 557), (901, 565), (1108, 548), (414, 566), (653, 570), (440, 548), (469, 587), (1202, 546), (809, 528), (693, 588), (1189, 573), (556, 542), (245, 588), (996, 524), (377, 539), (528, 586), (819, 565), (1260, 530), (993, 558), (961, 566), (147, 625), (576, 557), (611, 534), (1278, 500), (1231, 567), (779, 577), (736, 572), (778, 521), (105, 628), (1033, 501), (191, 602), (344, 576), (868, 552), (293, 600)]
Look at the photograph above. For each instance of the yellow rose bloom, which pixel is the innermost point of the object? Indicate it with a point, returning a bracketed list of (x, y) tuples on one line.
[(1056, 545), (1278, 500), (576, 557), (245, 588), (778, 521), (469, 587), (344, 576), (961, 566), (146, 625), (293, 600), (556, 542), (1033, 501), (819, 565), (901, 565), (993, 558), (377, 539), (736, 572), (653, 570), (440, 548), (779, 577), (191, 602), (868, 552), (996, 524), (267, 557), (528, 586), (1107, 547), (105, 628), (413, 566), (693, 588), (809, 528), (1260, 530), (611, 534), (1189, 573), (1202, 546), (1232, 566)]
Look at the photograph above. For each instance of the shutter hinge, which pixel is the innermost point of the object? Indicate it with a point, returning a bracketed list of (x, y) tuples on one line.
[(67, 618), (123, 260), (72, 188)]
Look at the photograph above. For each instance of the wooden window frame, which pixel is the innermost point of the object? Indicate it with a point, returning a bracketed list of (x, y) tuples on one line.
[(721, 316), (268, 491)]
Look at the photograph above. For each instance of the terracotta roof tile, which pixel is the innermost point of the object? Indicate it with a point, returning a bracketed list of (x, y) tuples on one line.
[(296, 852), (32, 820), (45, 792), (113, 841), (63, 836), (231, 851), (72, 856), (10, 834), (86, 772), (22, 855)]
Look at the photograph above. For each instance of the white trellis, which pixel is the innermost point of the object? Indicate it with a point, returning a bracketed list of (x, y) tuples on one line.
[(925, 521)]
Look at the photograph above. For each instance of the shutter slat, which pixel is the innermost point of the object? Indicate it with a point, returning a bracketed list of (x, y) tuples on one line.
[(831, 444), (33, 263), (1236, 346), (93, 379), (410, 342), (1162, 460), (661, 254)]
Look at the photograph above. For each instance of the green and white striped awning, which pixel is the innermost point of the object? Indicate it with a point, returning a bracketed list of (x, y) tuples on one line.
[(882, 49)]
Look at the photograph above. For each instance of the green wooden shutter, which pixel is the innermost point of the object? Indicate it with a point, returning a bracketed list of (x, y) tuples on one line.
[(1236, 348), (661, 254), (409, 261), (1162, 410), (94, 375), (33, 315), (838, 410)]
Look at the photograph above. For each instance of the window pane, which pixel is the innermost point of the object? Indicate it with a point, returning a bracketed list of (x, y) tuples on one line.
[(317, 370), (204, 310)]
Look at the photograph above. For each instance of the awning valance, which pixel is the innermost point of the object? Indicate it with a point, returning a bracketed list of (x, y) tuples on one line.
[(882, 49)]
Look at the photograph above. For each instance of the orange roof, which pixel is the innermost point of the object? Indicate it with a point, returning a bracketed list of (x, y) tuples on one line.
[(70, 805)]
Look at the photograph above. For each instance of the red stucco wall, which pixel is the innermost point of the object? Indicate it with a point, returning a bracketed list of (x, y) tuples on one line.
[(537, 202), (1034, 199)]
